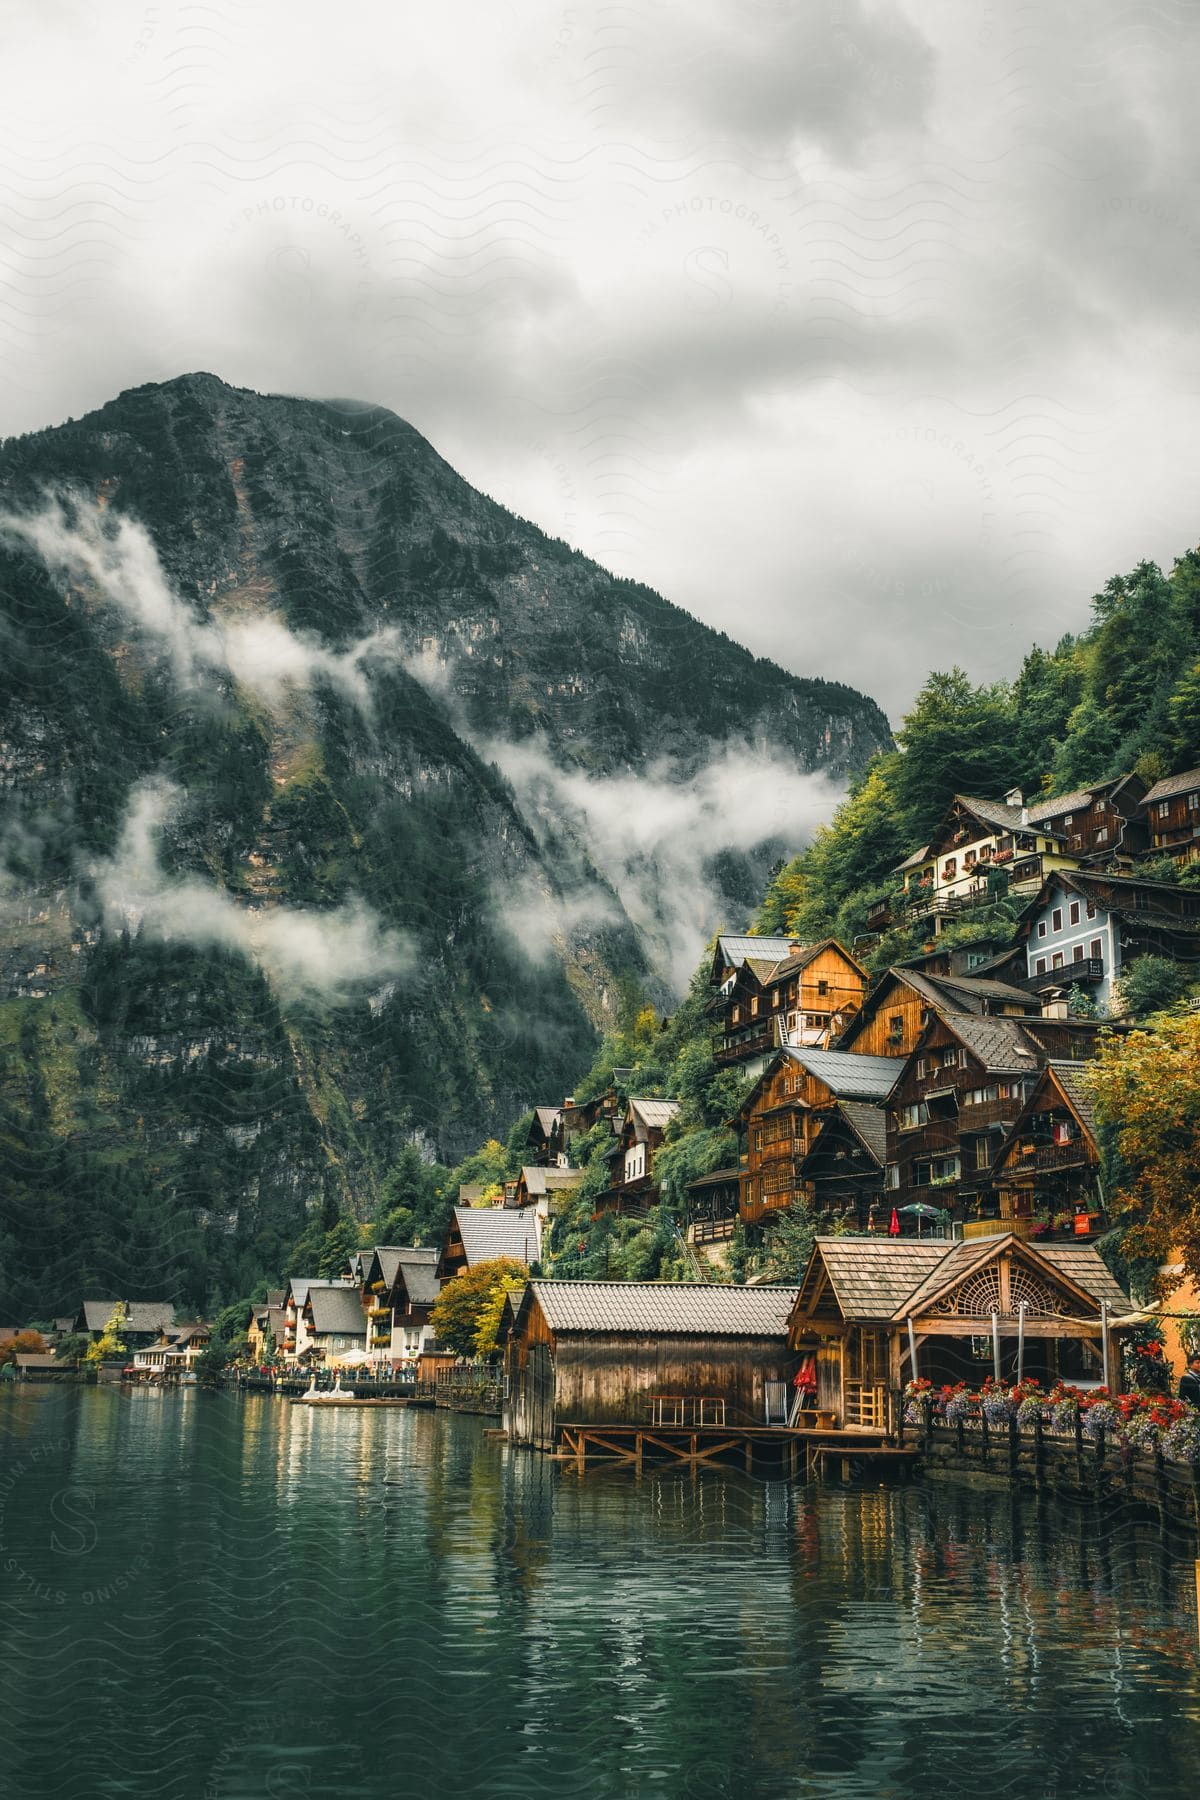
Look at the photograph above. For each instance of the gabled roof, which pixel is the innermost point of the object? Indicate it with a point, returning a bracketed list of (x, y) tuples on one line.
[(663, 1308), (140, 1315), (886, 1280), (914, 861), (421, 1282), (795, 961), (1186, 783), (999, 1044), (849, 1076), (732, 951), (868, 1283), (1069, 1077), (540, 1181), (336, 1309), (547, 1118), (302, 1285), (389, 1257), (869, 1125), (653, 1115), (491, 1231)]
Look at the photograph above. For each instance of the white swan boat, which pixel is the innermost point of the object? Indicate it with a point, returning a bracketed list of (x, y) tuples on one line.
[(331, 1397)]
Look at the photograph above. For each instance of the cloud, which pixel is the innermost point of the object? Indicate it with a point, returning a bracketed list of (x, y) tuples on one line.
[(75, 537), (305, 954), (655, 835)]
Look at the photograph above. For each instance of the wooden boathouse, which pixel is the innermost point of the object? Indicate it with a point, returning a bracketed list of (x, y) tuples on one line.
[(634, 1354)]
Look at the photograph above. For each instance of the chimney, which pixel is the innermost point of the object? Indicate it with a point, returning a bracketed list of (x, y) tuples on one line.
[(1055, 1005), (1014, 797), (794, 948), (569, 1101)]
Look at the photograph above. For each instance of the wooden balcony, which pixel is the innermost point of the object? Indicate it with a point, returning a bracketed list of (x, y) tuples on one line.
[(983, 1228), (1050, 1156), (979, 1115), (757, 1043), (1085, 970)]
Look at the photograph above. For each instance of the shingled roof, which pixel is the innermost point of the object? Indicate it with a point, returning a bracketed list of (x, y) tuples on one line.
[(1070, 1078), (849, 1076), (140, 1315), (735, 950), (869, 1125), (885, 1279), (491, 1231), (999, 1044), (336, 1310), (1186, 783), (654, 1114), (664, 1308), (539, 1181)]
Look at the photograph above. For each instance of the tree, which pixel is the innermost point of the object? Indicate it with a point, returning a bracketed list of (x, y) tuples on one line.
[(1146, 1092), (338, 1249), (788, 1244), (73, 1349), (25, 1343), (110, 1344), (1150, 984), (466, 1303)]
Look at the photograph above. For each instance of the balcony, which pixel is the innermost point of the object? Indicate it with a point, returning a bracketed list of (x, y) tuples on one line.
[(982, 1228), (879, 916), (1086, 969), (987, 1112), (1049, 1156), (757, 1043)]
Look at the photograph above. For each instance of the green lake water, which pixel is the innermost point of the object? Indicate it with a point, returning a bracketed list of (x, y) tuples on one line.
[(204, 1596)]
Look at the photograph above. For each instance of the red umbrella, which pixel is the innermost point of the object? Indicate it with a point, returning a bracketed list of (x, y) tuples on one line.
[(894, 1227)]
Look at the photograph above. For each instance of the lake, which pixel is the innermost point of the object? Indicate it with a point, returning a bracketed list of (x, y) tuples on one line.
[(208, 1596)]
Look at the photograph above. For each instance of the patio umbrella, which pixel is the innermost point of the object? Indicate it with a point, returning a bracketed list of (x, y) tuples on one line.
[(894, 1227), (922, 1212)]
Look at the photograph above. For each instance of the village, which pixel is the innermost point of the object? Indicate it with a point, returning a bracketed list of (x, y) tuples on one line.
[(935, 1122)]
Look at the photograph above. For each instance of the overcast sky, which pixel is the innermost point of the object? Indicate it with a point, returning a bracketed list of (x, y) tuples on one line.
[(867, 332)]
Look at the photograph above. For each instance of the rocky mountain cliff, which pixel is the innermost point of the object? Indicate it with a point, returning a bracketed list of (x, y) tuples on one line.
[(340, 808)]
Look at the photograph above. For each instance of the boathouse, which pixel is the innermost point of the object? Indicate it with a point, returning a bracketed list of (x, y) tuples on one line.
[(865, 1305), (636, 1352)]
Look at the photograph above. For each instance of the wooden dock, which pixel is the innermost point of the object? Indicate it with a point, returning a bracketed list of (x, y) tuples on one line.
[(756, 1449)]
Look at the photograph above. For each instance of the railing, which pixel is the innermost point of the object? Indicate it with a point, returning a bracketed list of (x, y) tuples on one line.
[(865, 1405), (686, 1409), (972, 1115), (1087, 968), (982, 1228), (755, 1045), (1050, 1156), (713, 1231)]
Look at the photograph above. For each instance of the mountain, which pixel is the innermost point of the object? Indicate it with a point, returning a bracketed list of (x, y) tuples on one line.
[(341, 809)]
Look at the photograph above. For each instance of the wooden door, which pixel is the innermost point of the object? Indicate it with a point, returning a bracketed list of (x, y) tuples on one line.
[(829, 1376), (539, 1382)]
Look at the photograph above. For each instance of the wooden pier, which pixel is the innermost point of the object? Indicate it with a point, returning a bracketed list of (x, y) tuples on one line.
[(777, 1450)]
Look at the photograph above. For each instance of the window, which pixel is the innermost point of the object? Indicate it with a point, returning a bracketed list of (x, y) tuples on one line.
[(1057, 962), (1041, 966), (1056, 918), (1194, 802), (896, 1025), (983, 1156), (913, 1115), (893, 1175), (1073, 912), (1102, 834), (822, 987), (753, 1005), (1091, 909), (737, 1015), (1164, 809), (1096, 949), (922, 1068), (1041, 930), (1078, 953)]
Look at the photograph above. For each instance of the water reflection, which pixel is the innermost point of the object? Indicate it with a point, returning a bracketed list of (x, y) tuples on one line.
[(377, 1601)]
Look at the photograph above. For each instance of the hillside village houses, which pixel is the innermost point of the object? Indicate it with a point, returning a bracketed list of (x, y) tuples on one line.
[(940, 1104)]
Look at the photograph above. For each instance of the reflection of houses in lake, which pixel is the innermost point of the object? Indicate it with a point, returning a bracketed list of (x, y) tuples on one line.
[(863, 1301)]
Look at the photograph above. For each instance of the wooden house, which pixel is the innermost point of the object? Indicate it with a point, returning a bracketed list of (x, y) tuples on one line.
[(603, 1352), (958, 1093), (544, 1137), (730, 952), (844, 1169), (1103, 825), (712, 1204), (1083, 927), (265, 1326), (782, 1115), (1047, 1169), (1171, 810), (982, 851), (804, 997), (143, 1321), (478, 1234), (297, 1344), (904, 999), (545, 1189), (632, 1189), (863, 1301)]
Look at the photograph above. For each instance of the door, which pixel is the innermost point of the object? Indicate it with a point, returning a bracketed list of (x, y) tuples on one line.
[(539, 1377), (829, 1376)]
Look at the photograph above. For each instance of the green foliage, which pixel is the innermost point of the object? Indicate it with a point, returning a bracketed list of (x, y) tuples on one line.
[(1151, 984), (787, 1245), (468, 1308), (110, 1345)]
